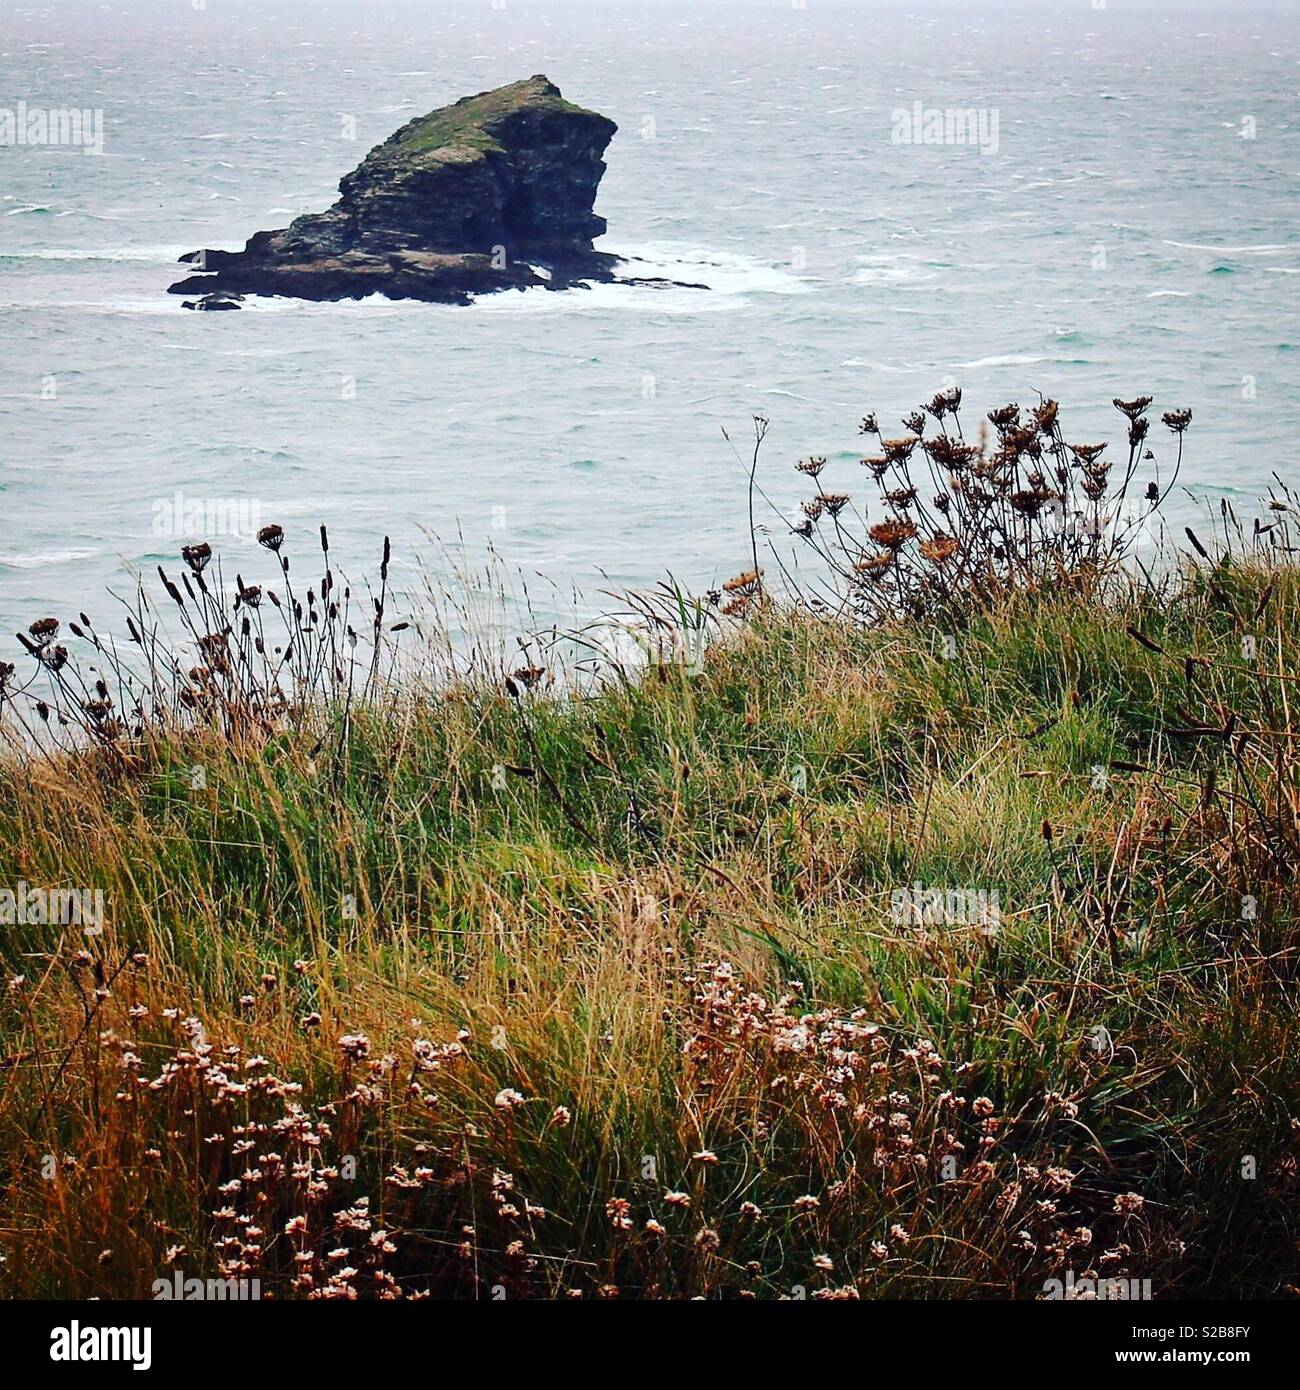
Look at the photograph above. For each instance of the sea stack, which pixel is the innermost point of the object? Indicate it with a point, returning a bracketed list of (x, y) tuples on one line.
[(494, 192)]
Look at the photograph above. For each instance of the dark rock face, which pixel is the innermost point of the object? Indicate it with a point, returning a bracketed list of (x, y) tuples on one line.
[(471, 198)]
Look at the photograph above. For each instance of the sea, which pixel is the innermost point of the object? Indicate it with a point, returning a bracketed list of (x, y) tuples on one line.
[(1081, 199)]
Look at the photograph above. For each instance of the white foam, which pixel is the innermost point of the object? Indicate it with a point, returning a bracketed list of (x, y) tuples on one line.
[(1008, 361), (724, 272), (884, 366), (42, 559), (1266, 250), (891, 268)]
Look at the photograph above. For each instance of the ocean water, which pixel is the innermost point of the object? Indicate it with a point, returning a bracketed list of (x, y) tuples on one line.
[(1133, 231)]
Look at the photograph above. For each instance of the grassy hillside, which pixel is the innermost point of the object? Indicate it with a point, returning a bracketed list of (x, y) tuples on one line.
[(618, 993)]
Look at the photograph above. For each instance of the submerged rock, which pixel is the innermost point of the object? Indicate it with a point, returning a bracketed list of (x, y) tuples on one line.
[(212, 302), (494, 192)]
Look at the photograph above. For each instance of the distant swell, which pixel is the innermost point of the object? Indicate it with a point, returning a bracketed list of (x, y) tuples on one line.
[(161, 254), (1270, 250)]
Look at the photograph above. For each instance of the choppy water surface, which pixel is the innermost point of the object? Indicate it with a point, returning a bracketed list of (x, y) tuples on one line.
[(1123, 238)]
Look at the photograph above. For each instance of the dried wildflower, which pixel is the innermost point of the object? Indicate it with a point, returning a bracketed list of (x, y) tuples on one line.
[(945, 402), (1134, 408), (44, 629), (875, 566), (618, 1211), (1177, 420), (939, 549), (561, 1116), (811, 466), (677, 1199), (1128, 1204), (898, 450), (746, 584), (707, 1240), (1029, 504), (508, 1099), (950, 453), (1054, 1103), (272, 537), (834, 502), (901, 497), (214, 646), (1059, 1179), (197, 557), (893, 535), (823, 1263)]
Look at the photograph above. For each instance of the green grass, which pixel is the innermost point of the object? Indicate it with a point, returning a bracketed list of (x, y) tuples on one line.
[(461, 125), (761, 812)]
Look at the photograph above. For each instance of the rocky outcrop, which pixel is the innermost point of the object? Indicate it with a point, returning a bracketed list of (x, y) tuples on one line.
[(494, 192)]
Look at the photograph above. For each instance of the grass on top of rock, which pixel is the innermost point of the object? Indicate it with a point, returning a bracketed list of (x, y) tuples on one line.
[(464, 124), (841, 962)]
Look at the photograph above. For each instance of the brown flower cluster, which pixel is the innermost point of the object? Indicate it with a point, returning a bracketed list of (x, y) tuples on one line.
[(961, 523)]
